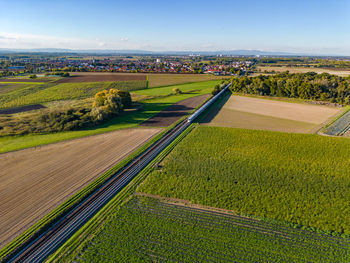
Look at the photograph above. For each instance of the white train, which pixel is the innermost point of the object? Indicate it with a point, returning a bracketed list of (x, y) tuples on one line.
[(207, 104)]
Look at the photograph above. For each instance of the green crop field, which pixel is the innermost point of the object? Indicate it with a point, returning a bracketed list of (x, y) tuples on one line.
[(148, 230), (161, 80), (203, 87), (298, 178), (40, 93), (126, 120), (10, 87)]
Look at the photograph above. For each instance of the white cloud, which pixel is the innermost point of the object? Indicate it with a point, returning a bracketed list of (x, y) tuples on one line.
[(22, 41)]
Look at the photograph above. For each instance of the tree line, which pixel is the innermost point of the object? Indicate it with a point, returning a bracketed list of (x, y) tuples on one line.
[(309, 86)]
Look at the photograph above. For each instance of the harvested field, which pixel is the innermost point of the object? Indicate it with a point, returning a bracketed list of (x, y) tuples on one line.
[(339, 72), (103, 76), (36, 180), (268, 114), (175, 112), (22, 109)]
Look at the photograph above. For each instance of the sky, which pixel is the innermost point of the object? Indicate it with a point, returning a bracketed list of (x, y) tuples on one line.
[(299, 26)]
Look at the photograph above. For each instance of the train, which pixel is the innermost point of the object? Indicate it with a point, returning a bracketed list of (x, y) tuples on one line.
[(192, 117)]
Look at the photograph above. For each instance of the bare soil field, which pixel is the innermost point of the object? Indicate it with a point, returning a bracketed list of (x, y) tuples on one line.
[(22, 109), (36, 180), (155, 79), (27, 80), (102, 76), (175, 112), (268, 114), (339, 72)]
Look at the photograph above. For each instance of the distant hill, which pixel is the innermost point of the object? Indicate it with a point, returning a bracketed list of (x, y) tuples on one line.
[(239, 52)]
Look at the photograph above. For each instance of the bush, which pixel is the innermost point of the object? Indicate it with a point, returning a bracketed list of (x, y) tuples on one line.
[(177, 91), (124, 96), (33, 76)]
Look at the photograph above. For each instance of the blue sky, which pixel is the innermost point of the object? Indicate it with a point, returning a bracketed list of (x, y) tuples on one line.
[(310, 26)]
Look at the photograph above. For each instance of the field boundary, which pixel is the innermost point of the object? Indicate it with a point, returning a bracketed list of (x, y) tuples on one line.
[(85, 233)]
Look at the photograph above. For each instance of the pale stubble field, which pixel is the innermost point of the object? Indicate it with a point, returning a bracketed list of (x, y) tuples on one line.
[(36, 180)]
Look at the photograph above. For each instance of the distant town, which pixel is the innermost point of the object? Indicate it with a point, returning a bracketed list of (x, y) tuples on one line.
[(216, 65)]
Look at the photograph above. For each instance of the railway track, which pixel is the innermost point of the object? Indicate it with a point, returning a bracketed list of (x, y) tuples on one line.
[(45, 244)]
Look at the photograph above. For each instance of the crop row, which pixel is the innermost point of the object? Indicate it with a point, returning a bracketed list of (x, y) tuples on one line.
[(233, 222), (340, 126), (145, 229)]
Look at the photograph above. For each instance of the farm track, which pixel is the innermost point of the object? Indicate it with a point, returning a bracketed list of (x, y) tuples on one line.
[(40, 248)]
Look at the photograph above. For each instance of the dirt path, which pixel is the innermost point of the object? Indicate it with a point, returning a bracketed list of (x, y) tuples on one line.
[(34, 181), (175, 112)]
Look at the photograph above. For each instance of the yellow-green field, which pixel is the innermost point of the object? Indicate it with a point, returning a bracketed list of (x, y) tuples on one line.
[(158, 80), (339, 72)]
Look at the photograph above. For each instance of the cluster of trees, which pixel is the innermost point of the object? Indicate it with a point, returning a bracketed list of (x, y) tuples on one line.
[(62, 74), (219, 87), (304, 62), (310, 86), (7, 74), (107, 104), (110, 103)]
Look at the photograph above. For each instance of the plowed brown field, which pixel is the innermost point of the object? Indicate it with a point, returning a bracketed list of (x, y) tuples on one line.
[(175, 112), (102, 76), (34, 181)]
